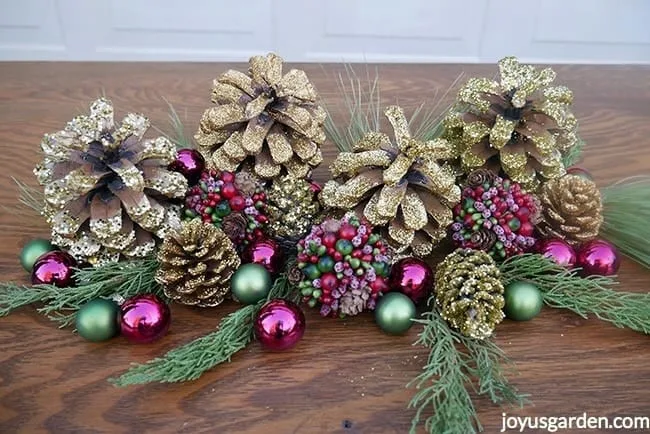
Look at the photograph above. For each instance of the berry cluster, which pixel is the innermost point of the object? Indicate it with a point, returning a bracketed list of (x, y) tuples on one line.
[(218, 199), (496, 216), (345, 267)]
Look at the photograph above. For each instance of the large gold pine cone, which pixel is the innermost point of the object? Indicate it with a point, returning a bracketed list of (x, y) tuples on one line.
[(196, 264), (572, 209), (292, 207)]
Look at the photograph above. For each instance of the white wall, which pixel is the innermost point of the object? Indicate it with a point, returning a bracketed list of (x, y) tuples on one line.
[(569, 31)]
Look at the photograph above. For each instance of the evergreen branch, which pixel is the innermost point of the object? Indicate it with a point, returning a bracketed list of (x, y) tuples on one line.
[(564, 288), (443, 384), (178, 135), (626, 212), (191, 360), (573, 154), (61, 304)]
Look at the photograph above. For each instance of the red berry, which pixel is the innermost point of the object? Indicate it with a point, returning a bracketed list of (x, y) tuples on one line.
[(526, 229), (379, 285), (262, 219), (227, 177), (313, 259), (328, 281), (237, 203), (379, 244), (262, 196), (326, 299), (257, 233), (347, 231), (357, 253), (338, 257), (331, 251), (367, 258), (228, 190), (329, 239)]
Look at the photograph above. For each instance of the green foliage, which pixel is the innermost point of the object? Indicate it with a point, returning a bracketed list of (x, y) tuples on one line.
[(448, 377), (564, 288), (178, 135), (573, 154), (30, 200), (191, 360), (125, 279), (626, 212)]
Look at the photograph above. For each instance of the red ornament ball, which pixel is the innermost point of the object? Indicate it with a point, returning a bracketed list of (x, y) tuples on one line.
[(598, 257), (412, 277), (559, 251), (190, 163), (54, 268), (144, 318), (279, 325), (266, 252)]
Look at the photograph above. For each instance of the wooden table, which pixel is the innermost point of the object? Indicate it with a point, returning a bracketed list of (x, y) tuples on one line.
[(345, 376)]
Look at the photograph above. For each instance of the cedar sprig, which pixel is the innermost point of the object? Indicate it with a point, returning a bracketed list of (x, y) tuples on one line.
[(450, 374), (125, 279), (191, 360), (566, 289)]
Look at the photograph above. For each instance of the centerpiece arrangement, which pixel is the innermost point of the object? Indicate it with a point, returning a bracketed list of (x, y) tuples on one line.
[(138, 222)]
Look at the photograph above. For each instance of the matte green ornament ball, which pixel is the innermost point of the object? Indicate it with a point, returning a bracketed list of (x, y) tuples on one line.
[(251, 283), (98, 320), (523, 300), (394, 313), (33, 250)]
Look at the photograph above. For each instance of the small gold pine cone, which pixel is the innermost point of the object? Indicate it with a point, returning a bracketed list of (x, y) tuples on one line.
[(469, 292), (196, 264), (572, 209), (292, 208)]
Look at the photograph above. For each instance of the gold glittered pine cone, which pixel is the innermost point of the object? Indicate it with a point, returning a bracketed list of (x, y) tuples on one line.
[(108, 193), (469, 292), (266, 118), (196, 264), (572, 209), (520, 124), (292, 208), (399, 185)]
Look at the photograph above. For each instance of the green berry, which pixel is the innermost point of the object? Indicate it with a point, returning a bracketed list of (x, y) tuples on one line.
[(317, 293), (321, 250), (354, 263), (325, 264), (311, 272), (344, 247), (312, 302), (223, 209), (208, 210), (307, 291), (514, 224), (381, 268)]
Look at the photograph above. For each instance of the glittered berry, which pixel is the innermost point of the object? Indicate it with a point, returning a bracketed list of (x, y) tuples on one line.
[(344, 247)]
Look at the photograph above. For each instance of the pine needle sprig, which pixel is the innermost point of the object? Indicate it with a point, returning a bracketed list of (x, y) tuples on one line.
[(178, 135), (191, 360), (593, 295), (626, 212), (125, 279), (442, 385), (573, 154), (30, 200)]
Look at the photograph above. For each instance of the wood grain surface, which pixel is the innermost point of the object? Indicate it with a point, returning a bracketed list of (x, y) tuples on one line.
[(345, 376)]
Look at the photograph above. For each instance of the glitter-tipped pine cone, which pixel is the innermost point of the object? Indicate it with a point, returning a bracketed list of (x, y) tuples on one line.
[(292, 209), (108, 192), (495, 215), (401, 185), (266, 118), (520, 124), (469, 292), (345, 267), (571, 209), (196, 264)]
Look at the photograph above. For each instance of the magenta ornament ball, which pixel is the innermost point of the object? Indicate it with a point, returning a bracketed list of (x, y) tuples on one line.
[(412, 277), (559, 251), (144, 318), (265, 252), (190, 163), (598, 257), (279, 325), (54, 268)]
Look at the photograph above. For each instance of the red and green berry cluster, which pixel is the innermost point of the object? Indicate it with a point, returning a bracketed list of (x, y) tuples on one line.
[(345, 267), (496, 216), (215, 197)]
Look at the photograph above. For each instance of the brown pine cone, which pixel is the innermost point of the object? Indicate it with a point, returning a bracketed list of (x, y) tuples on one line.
[(234, 225), (571, 209), (483, 239), (480, 177), (196, 264)]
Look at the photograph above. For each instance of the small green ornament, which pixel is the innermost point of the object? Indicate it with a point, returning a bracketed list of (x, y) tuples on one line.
[(311, 272), (223, 209), (251, 283), (524, 301), (344, 247), (98, 320), (325, 264), (394, 313), (33, 250), (381, 268)]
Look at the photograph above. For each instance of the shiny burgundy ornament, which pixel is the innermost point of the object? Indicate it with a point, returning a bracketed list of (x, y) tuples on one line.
[(315, 187), (279, 325), (559, 251), (266, 252), (54, 268), (190, 163), (412, 277), (598, 257), (144, 318), (579, 171)]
